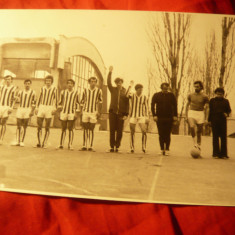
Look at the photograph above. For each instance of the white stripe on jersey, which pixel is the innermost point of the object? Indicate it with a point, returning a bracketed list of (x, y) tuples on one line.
[(7, 95), (139, 106), (69, 101), (27, 99), (90, 99), (48, 96)]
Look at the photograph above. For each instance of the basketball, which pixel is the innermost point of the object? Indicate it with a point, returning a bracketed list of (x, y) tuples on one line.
[(195, 153)]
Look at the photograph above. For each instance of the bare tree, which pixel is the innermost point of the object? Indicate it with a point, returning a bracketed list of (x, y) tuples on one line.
[(227, 52), (172, 54)]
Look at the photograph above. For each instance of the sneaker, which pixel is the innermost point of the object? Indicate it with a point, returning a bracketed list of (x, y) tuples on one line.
[(161, 152), (70, 147), (117, 150), (111, 150), (15, 144), (83, 149), (44, 146), (225, 157), (60, 147), (167, 153), (37, 146), (144, 150), (131, 151), (91, 150), (21, 144)]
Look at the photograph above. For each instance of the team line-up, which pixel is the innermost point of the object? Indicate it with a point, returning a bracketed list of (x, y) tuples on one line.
[(124, 103)]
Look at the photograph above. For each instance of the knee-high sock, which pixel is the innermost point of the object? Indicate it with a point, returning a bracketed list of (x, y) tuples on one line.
[(39, 135), (62, 138), (47, 133), (91, 138), (144, 140), (3, 130), (18, 134), (132, 140), (85, 137), (71, 135)]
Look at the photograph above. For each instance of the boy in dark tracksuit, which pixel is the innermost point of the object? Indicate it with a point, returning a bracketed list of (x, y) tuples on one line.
[(219, 110)]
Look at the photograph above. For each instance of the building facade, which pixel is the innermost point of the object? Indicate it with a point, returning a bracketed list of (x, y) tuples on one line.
[(67, 58)]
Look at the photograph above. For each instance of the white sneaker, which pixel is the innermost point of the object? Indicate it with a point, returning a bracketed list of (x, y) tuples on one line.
[(70, 147), (15, 144), (21, 144), (167, 153), (161, 152)]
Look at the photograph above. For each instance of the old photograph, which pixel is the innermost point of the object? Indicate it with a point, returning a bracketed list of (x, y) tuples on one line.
[(118, 105)]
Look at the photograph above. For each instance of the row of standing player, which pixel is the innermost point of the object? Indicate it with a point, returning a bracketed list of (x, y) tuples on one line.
[(163, 107)]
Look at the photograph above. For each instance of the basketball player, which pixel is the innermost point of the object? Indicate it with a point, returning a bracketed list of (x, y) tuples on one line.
[(139, 114), (164, 110), (196, 112), (69, 106), (7, 100), (45, 109), (27, 102), (91, 105)]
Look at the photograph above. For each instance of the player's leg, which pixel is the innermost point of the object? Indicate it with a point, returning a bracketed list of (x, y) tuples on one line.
[(112, 130), (91, 127), (39, 130), (223, 136), (25, 123), (192, 126), (63, 133), (168, 129), (160, 127), (120, 124), (143, 128), (199, 134), (132, 136), (47, 132), (71, 133), (3, 128), (19, 124)]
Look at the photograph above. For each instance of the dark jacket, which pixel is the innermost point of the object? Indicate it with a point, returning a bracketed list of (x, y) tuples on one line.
[(217, 108), (119, 102), (164, 105)]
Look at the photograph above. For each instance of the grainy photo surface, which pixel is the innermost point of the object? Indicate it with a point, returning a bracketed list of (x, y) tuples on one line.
[(118, 105)]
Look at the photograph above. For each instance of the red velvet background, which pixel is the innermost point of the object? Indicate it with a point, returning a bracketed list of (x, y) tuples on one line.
[(30, 214)]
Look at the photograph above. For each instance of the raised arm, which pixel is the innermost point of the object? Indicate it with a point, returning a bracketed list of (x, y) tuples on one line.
[(109, 82)]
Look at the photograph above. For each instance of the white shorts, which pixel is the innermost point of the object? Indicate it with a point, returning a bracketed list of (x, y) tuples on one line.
[(67, 117), (136, 120), (4, 111), (198, 116), (89, 117), (45, 111), (23, 113)]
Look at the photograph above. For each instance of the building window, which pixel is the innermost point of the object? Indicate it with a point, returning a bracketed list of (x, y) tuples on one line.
[(81, 70), (26, 68)]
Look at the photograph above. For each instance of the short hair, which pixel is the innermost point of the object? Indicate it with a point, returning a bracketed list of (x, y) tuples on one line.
[(27, 80), (49, 77), (8, 76), (164, 84), (138, 86), (200, 83), (117, 80), (219, 90), (71, 80), (92, 78)]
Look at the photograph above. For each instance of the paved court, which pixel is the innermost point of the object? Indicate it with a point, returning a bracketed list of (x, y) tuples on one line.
[(140, 177)]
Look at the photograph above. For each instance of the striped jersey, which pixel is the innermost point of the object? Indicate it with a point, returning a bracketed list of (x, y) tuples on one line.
[(139, 106), (69, 100), (48, 96), (7, 95), (90, 99), (26, 98)]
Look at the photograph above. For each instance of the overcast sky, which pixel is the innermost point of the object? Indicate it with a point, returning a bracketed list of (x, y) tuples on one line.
[(120, 36)]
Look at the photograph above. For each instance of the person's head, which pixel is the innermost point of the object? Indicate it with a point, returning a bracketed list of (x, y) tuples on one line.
[(49, 80), (219, 92), (165, 87), (70, 84), (8, 80), (92, 82), (118, 82), (27, 84), (198, 86), (139, 89)]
